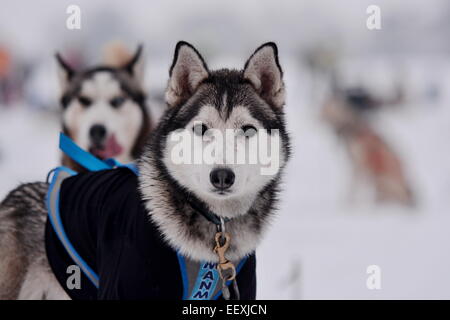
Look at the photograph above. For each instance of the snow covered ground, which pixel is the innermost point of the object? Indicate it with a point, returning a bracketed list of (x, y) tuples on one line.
[(28, 146), (320, 245)]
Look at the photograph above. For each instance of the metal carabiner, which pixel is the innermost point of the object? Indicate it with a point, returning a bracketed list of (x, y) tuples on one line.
[(224, 264)]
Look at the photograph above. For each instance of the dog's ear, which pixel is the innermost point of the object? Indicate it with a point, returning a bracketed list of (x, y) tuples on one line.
[(188, 70), (135, 66), (65, 71), (263, 71)]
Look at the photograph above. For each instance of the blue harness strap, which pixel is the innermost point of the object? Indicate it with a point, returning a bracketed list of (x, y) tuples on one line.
[(206, 276), (87, 159), (204, 287), (52, 203), (83, 158)]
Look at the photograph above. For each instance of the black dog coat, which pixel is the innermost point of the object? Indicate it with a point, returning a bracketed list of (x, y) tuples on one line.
[(98, 221)]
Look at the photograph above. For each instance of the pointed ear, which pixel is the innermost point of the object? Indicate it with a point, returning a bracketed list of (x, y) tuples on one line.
[(65, 71), (188, 70), (135, 66), (263, 71)]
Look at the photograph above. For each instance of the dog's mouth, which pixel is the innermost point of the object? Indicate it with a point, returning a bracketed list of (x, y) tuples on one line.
[(110, 148), (221, 192)]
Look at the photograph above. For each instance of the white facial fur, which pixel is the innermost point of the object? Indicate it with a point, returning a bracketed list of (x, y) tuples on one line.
[(124, 121), (196, 177)]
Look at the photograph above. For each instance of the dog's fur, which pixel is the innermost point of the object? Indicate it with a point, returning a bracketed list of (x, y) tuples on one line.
[(108, 97), (221, 99), (371, 157), (24, 269)]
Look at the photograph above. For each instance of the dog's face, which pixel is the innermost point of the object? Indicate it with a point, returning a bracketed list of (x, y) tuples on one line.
[(223, 119), (104, 110)]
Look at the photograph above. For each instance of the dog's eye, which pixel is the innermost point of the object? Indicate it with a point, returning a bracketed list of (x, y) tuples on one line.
[(200, 129), (85, 101), (249, 130), (117, 101)]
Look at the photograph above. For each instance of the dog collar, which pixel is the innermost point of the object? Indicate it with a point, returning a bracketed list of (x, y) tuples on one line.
[(208, 214)]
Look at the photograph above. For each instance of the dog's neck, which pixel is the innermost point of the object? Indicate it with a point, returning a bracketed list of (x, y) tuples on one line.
[(187, 230)]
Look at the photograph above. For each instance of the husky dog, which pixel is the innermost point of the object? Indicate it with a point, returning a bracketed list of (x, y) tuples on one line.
[(104, 109), (222, 99), (371, 157), (174, 198)]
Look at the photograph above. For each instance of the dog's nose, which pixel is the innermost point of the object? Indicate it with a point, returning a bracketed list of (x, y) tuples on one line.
[(222, 178), (97, 133)]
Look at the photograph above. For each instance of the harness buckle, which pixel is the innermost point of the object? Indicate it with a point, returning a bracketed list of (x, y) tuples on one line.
[(224, 264)]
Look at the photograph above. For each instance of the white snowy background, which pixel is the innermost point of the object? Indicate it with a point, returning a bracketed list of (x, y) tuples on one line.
[(320, 244)]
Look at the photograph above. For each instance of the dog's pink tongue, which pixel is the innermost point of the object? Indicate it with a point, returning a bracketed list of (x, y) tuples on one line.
[(111, 149)]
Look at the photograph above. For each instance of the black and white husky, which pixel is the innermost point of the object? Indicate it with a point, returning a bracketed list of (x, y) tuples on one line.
[(104, 108), (175, 195)]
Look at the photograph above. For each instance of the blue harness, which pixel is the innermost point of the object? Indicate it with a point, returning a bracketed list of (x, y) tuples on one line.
[(206, 276)]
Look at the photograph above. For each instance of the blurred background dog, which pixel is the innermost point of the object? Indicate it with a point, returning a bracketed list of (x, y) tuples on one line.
[(104, 107), (373, 161)]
